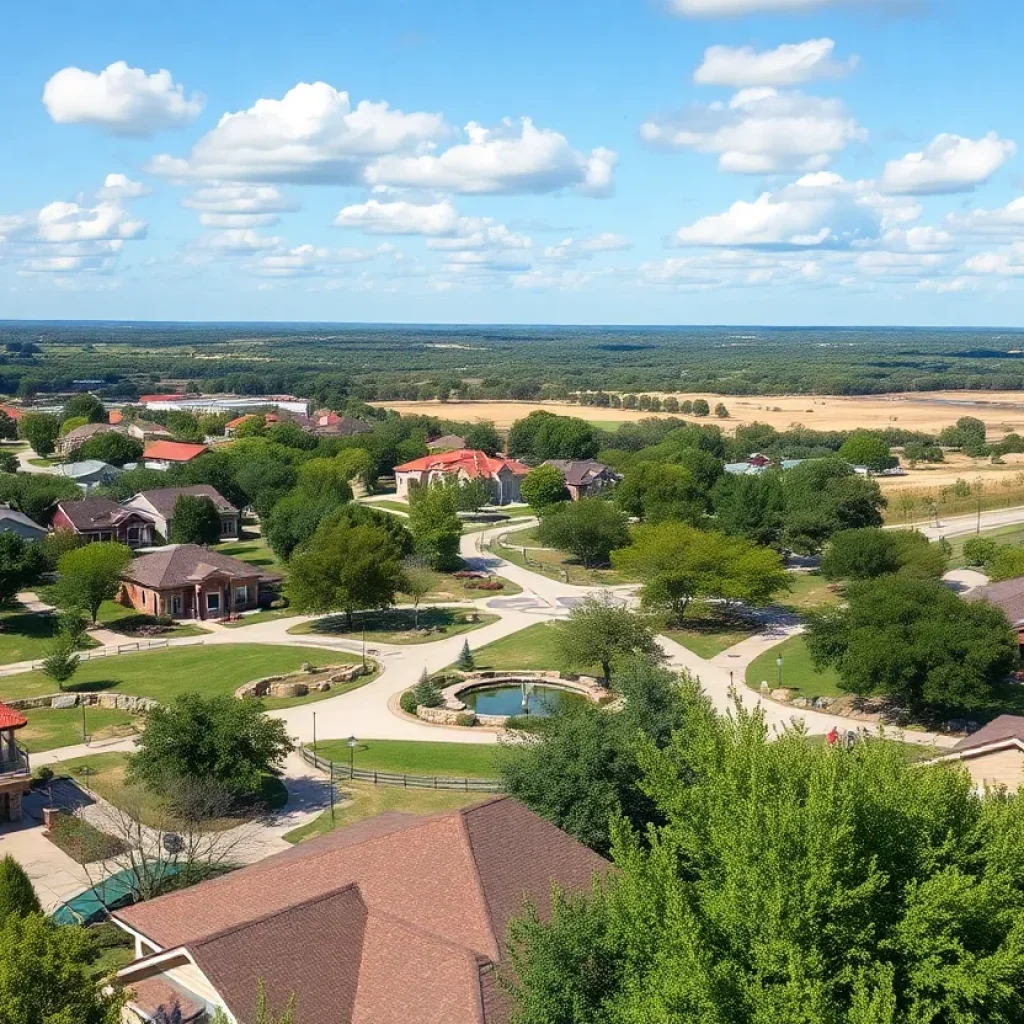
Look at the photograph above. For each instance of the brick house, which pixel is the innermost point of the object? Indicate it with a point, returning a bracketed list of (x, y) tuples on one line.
[(164, 454), (584, 477), (464, 464), (186, 581), (158, 504), (994, 755), (398, 919), (100, 519)]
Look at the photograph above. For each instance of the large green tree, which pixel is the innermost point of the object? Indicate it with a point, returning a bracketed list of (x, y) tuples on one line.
[(752, 506), (578, 767), (112, 447), (46, 975), (214, 739), (869, 552), (590, 529), (915, 641), (435, 524), (790, 882), (656, 493), (864, 448), (91, 575), (543, 435), (21, 564), (345, 568), (16, 893), (86, 407), (194, 520), (543, 487), (41, 430), (678, 563), (600, 631), (36, 494)]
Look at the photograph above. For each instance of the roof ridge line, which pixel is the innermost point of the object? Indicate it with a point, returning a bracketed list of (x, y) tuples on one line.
[(464, 829)]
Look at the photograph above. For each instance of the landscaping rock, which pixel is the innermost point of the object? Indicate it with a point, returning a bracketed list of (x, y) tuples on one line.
[(801, 702), (65, 700), (783, 695), (288, 690)]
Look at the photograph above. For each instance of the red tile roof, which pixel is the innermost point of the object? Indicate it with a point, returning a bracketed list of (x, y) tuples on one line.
[(11, 719), (173, 451), (115, 416), (469, 460), (390, 921), (13, 411)]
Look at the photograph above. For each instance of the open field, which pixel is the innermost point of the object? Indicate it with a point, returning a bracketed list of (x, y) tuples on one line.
[(415, 757), (50, 728), (1002, 411), (397, 625), (163, 675)]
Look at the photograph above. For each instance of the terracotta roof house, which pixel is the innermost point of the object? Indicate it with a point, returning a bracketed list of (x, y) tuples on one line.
[(584, 477), (994, 755), (398, 919), (325, 423), (159, 506), (164, 454), (15, 777), (88, 473), (187, 581), (1008, 596), (143, 430), (100, 519), (76, 438), (13, 521), (13, 411), (466, 464), (115, 416), (446, 443)]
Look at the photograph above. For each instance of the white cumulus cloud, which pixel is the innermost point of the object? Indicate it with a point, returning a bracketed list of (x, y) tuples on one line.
[(1008, 262), (514, 157), (1006, 220), (120, 99), (786, 65), (120, 186), (760, 131), (234, 206), (949, 163), (312, 135), (584, 248)]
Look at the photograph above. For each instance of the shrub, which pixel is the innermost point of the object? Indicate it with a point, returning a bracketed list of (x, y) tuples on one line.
[(466, 718), (979, 550), (43, 775), (484, 585), (407, 702)]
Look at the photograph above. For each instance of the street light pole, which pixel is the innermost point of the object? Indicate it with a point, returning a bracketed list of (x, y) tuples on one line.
[(778, 665), (314, 733), (351, 757), (364, 647), (84, 740)]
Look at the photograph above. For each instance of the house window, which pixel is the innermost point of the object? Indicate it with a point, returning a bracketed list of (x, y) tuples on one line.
[(213, 601), (134, 534), (241, 596), (227, 527), (176, 605)]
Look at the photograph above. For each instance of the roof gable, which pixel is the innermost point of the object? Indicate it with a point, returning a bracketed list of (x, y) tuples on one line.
[(163, 499), (179, 565), (173, 451), (470, 461)]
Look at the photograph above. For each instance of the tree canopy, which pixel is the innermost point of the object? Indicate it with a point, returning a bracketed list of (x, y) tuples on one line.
[(194, 520), (16, 893), (112, 447), (36, 494), (543, 487), (21, 564), (869, 552), (655, 493), (864, 448), (435, 524), (41, 430), (543, 435), (91, 575), (590, 529), (915, 641), (793, 882), (599, 631)]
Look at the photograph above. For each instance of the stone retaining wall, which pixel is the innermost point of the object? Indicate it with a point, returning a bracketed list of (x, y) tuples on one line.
[(292, 684), (119, 701)]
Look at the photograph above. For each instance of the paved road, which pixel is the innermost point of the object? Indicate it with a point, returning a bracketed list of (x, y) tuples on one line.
[(958, 526)]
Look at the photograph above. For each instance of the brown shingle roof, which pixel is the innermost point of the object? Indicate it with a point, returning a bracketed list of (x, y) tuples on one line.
[(163, 498), (415, 909), (97, 513), (178, 565), (578, 472), (1005, 727), (1007, 595)]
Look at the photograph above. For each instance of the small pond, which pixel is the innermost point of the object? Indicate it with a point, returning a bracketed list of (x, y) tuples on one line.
[(507, 699)]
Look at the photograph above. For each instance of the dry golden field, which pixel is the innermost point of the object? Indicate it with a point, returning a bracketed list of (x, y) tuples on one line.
[(929, 411)]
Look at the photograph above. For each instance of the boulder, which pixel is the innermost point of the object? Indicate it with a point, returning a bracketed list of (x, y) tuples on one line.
[(288, 689), (64, 700), (783, 695)]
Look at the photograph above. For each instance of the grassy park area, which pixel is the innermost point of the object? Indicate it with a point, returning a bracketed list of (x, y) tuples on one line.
[(535, 647), (798, 671), (398, 625), (709, 635), (525, 550), (254, 549), (413, 757), (359, 800), (808, 590), (163, 675), (50, 728), (24, 635)]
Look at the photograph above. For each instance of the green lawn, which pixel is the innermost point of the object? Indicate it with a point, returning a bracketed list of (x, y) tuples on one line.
[(708, 636), (24, 636), (808, 590), (390, 504), (360, 800), (798, 673), (447, 587), (104, 774), (162, 675), (413, 757), (50, 728), (535, 647), (395, 625), (254, 549), (267, 615), (37, 461), (121, 619), (551, 562)]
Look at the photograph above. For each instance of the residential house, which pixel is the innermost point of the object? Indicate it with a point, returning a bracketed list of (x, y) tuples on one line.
[(15, 776), (464, 464), (159, 506), (13, 411), (115, 416), (13, 521), (446, 443), (89, 473), (325, 423), (164, 454), (994, 755), (74, 439), (1008, 597), (584, 477), (100, 519), (144, 430), (397, 919), (187, 581), (751, 466)]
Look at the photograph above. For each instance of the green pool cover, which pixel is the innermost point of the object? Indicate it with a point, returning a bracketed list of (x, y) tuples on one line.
[(118, 890)]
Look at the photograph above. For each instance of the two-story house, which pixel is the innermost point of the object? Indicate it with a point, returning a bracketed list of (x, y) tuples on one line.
[(100, 519)]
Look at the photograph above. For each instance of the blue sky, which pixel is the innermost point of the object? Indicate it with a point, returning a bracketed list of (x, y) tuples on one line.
[(616, 161)]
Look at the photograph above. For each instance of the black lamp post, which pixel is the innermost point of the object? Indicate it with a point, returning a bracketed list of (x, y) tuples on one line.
[(351, 756)]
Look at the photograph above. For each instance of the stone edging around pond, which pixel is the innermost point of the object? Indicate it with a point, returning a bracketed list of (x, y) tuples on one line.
[(455, 712)]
